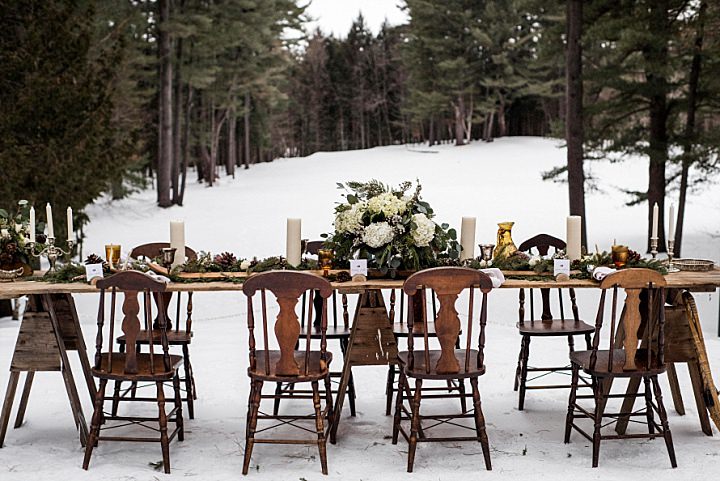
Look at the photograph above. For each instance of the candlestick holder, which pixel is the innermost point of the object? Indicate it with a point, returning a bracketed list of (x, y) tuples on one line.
[(654, 247), (168, 257), (51, 251), (670, 253)]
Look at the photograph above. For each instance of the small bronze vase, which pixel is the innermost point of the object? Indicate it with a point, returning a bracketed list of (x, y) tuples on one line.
[(505, 247)]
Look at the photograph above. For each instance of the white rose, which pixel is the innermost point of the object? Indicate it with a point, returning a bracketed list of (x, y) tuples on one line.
[(18, 228), (245, 265), (423, 230), (387, 204), (350, 220), (534, 260), (4, 233), (378, 234)]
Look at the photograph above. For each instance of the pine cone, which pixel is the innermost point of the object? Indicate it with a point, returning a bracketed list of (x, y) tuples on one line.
[(94, 259), (343, 276), (41, 238), (226, 260), (11, 248), (633, 256)]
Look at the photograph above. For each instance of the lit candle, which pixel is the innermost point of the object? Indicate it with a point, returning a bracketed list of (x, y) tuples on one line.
[(467, 238), (293, 242), (48, 212), (177, 240), (71, 233), (671, 221), (574, 237), (656, 212), (32, 224)]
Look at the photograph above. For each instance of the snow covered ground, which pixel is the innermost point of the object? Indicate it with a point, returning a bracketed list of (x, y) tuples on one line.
[(494, 182)]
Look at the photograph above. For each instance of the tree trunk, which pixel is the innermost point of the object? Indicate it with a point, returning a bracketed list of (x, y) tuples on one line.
[(502, 125), (656, 57), (689, 137), (460, 121), (165, 141), (246, 130), (574, 132), (185, 144), (232, 144), (177, 126), (431, 132)]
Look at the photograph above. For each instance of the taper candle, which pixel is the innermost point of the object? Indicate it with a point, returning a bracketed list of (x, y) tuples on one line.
[(48, 212), (32, 224), (293, 242), (70, 230), (656, 212), (467, 238), (671, 221), (177, 240), (574, 237)]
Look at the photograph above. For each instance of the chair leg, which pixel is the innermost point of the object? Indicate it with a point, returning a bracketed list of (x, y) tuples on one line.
[(523, 372), (190, 395), (664, 421), (178, 406), (518, 369), (598, 394), (415, 424), (133, 386), (571, 402), (252, 424), (463, 401), (329, 399), (95, 425), (389, 389), (480, 423), (118, 386), (571, 343), (648, 405), (588, 342), (319, 427), (398, 407), (162, 421), (276, 401)]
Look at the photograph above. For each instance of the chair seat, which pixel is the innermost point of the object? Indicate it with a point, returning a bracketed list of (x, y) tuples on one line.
[(316, 368), (400, 329), (175, 338), (418, 370), (144, 373), (554, 327), (582, 358), (333, 332)]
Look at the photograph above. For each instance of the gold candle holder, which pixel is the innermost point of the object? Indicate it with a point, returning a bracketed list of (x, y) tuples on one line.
[(325, 258), (620, 255)]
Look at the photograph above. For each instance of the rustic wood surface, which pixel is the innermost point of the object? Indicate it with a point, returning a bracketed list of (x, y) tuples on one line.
[(694, 281)]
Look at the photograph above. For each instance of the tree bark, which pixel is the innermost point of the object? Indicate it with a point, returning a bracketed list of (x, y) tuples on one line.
[(574, 132), (502, 123), (689, 137), (165, 141), (185, 144), (232, 144), (246, 130), (460, 121), (177, 126)]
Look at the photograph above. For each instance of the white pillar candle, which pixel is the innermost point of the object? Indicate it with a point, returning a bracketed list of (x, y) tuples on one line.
[(32, 224), (574, 237), (467, 238), (671, 221), (293, 242), (48, 212), (656, 212), (70, 230), (177, 240)]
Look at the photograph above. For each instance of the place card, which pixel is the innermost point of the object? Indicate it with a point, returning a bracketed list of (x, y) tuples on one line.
[(561, 266), (93, 270), (358, 267)]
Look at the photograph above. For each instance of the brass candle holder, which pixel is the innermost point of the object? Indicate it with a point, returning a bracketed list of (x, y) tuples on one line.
[(112, 254), (325, 258), (654, 247), (620, 255), (486, 252), (168, 257), (51, 251), (671, 252)]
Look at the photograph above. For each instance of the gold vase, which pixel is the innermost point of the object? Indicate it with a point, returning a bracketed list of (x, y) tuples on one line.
[(504, 246)]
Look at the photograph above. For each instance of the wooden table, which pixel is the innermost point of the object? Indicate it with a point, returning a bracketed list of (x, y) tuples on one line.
[(50, 328)]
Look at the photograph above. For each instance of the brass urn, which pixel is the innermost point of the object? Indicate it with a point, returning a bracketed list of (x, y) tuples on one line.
[(505, 247)]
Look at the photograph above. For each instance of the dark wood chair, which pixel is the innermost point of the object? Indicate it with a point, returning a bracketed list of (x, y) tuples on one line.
[(643, 320), (547, 325), (401, 329), (335, 331), (448, 363), (179, 334), (286, 364), (157, 368)]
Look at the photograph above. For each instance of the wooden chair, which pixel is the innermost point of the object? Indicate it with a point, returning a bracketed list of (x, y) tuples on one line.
[(335, 331), (176, 335), (157, 368), (643, 312), (447, 363), (547, 325), (401, 329), (286, 364)]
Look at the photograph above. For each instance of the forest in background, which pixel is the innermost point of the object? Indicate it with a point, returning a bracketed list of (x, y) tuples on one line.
[(105, 95)]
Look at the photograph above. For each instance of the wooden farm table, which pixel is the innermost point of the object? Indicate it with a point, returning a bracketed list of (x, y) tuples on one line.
[(50, 328)]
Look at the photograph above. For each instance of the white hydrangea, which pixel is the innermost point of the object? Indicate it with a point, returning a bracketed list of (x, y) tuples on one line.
[(386, 203), (423, 231), (350, 220), (378, 234)]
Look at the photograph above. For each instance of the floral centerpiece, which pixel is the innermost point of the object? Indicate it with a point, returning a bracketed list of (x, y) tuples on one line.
[(392, 228), (14, 231)]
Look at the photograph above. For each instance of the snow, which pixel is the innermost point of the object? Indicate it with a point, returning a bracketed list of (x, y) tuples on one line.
[(494, 182)]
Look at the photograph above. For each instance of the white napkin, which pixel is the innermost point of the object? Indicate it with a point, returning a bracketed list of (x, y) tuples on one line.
[(601, 272), (157, 277), (495, 275)]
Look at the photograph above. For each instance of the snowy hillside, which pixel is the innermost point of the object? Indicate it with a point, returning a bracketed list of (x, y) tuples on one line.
[(493, 182)]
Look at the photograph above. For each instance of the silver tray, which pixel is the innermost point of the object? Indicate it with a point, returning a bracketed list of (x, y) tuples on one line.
[(11, 275), (695, 265)]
